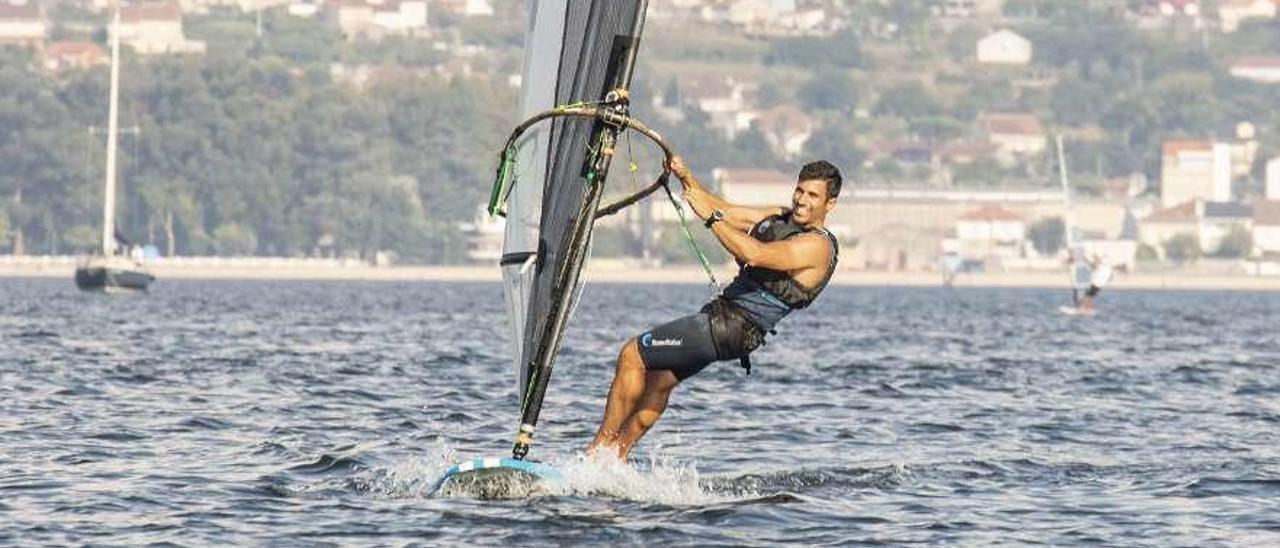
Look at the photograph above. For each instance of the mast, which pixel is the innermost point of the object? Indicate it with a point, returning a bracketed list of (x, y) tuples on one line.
[(1068, 238), (109, 197)]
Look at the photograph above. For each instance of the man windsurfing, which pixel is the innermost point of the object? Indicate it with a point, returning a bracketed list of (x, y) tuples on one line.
[(1099, 276), (786, 257)]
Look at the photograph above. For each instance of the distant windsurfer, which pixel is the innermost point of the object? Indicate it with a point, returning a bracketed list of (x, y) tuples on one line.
[(1099, 276), (786, 257)]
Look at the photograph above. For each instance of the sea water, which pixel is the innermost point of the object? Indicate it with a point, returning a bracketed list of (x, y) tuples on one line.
[(286, 413)]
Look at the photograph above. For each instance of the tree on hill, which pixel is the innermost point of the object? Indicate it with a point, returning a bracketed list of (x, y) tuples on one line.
[(1047, 235), (937, 129), (910, 100), (1182, 248), (1077, 103), (840, 50), (834, 142), (1237, 244), (832, 90)]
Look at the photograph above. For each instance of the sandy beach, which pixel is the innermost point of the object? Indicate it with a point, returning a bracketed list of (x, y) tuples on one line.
[(602, 272)]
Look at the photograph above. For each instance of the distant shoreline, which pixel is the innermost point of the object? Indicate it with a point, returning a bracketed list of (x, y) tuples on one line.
[(609, 272)]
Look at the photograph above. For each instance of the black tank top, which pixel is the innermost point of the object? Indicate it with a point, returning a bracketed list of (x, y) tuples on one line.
[(777, 228)]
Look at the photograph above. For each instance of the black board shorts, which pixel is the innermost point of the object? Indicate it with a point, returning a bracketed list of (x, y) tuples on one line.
[(683, 346), (1092, 291)]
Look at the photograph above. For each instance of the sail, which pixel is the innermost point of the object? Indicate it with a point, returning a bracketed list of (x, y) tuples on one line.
[(1077, 268), (575, 51), (543, 46)]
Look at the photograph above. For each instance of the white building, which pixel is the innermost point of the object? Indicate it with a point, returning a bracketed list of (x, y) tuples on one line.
[(22, 25), (362, 19), (156, 28), (1194, 169), (1015, 135), (1208, 222), (1004, 48), (484, 235), (1265, 69), (989, 232), (1266, 226), (1164, 224), (401, 17), (467, 8), (714, 94), (992, 223), (1220, 218), (1232, 12), (303, 9)]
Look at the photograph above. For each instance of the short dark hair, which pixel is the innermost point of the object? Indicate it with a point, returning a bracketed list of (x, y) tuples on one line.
[(823, 169)]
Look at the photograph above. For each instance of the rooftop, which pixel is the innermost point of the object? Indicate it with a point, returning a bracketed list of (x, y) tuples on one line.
[(1227, 210), (991, 212), (1011, 124), (1185, 212)]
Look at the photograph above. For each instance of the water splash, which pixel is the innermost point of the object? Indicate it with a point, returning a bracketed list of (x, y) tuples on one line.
[(661, 480)]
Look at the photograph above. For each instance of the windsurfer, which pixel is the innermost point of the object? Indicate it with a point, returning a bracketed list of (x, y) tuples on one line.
[(1099, 276), (786, 257)]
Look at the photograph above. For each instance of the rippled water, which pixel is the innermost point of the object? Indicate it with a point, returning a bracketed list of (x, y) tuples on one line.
[(292, 413)]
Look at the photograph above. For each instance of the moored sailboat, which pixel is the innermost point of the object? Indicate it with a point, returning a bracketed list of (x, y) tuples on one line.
[(112, 268)]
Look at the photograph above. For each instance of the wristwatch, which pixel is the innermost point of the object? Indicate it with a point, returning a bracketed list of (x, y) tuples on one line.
[(715, 217)]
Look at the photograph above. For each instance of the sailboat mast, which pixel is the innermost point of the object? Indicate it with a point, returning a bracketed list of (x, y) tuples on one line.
[(109, 197)]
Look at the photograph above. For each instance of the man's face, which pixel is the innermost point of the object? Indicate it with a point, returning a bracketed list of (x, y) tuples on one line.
[(809, 202)]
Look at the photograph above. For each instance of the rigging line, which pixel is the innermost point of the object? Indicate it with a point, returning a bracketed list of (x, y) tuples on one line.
[(688, 236)]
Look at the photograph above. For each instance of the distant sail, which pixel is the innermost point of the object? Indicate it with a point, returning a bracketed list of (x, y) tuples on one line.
[(575, 51), (1077, 268)]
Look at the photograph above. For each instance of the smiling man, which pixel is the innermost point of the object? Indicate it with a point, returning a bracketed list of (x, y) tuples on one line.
[(786, 257)]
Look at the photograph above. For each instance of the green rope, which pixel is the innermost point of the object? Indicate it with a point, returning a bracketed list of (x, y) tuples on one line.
[(684, 224), (688, 236)]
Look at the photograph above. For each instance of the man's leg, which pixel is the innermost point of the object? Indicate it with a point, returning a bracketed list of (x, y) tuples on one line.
[(1087, 303), (628, 385), (658, 387)]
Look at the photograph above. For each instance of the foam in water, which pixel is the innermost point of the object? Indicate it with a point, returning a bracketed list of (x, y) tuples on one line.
[(661, 481), (413, 477)]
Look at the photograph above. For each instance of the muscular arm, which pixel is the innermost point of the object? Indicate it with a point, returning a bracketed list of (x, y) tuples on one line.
[(798, 253), (703, 202)]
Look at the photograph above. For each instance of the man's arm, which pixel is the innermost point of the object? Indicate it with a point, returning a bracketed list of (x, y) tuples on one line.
[(704, 202), (800, 252)]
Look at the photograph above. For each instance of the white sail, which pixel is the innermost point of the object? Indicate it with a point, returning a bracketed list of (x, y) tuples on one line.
[(1077, 269), (543, 44)]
